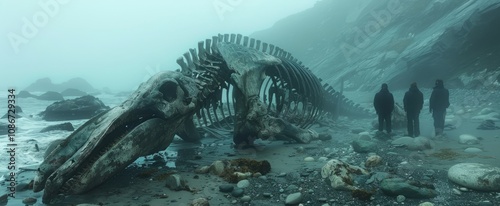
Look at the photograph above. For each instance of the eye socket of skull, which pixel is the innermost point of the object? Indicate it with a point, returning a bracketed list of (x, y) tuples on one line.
[(169, 91)]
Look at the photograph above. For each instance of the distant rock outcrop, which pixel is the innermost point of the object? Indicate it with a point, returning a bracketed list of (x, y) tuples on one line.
[(369, 42), (25, 94), (45, 84), (73, 92), (51, 96), (67, 126), (18, 110), (80, 108)]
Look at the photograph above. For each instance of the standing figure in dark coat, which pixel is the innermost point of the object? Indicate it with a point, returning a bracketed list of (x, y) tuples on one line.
[(439, 101), (384, 105), (413, 103)]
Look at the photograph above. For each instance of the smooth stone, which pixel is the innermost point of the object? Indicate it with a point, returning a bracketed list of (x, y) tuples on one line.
[(226, 188), (323, 159), (293, 199), (417, 143), (266, 194), (426, 204), (175, 182), (243, 184), (245, 198), (365, 136), (67, 126), (200, 202), (363, 146), (475, 176), (309, 159), (237, 192), (29, 201), (467, 139), (473, 150), (217, 167)]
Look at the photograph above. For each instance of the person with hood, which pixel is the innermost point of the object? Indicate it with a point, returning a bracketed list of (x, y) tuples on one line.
[(439, 101), (413, 102), (384, 105)]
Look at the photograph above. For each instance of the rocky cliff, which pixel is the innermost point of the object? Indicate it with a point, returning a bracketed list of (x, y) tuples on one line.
[(369, 42)]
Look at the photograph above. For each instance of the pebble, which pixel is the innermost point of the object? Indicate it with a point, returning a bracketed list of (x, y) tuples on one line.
[(237, 192), (245, 198), (400, 198), (473, 150), (463, 189), (322, 199), (323, 159), (200, 202), (263, 177), (456, 191), (281, 174), (243, 184), (266, 194), (426, 204), (309, 159), (293, 199)]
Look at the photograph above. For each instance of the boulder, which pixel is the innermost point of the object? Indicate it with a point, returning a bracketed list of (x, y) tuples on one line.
[(417, 143), (25, 94), (67, 126), (341, 175), (409, 189), (468, 139), (80, 108), (363, 146), (475, 176), (488, 125), (73, 92), (50, 96), (17, 115)]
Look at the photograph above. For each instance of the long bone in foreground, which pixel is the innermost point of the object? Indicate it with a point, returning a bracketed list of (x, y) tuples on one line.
[(257, 90)]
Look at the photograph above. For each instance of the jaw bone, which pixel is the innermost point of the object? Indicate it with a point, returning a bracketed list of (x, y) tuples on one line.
[(142, 125)]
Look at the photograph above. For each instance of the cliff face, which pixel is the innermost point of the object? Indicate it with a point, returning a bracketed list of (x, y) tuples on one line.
[(369, 42)]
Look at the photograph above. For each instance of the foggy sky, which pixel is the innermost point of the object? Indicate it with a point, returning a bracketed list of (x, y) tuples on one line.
[(115, 43)]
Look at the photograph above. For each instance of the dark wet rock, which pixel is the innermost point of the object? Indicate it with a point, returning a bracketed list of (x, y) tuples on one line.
[(237, 192), (363, 146), (73, 92), (51, 96), (45, 84), (29, 201), (409, 189), (80, 108), (3, 128), (475, 176), (226, 188), (16, 114), (22, 187), (488, 125), (4, 199), (67, 126), (25, 94)]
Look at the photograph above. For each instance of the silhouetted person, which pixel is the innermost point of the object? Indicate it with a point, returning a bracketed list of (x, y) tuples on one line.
[(413, 102), (384, 105), (439, 101)]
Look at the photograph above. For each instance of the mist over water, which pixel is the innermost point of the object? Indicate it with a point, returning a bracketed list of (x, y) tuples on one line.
[(118, 44)]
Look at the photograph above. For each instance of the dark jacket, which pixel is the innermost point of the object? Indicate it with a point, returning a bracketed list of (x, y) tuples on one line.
[(413, 100), (440, 98), (383, 102)]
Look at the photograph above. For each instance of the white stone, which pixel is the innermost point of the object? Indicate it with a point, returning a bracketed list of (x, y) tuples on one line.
[(475, 176), (217, 167), (373, 160), (341, 174), (473, 150), (293, 199), (426, 204), (417, 143), (365, 136), (243, 184), (467, 139), (309, 159)]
